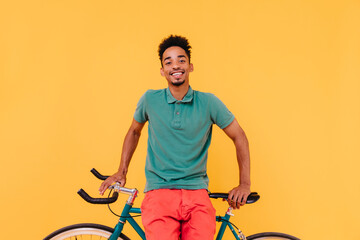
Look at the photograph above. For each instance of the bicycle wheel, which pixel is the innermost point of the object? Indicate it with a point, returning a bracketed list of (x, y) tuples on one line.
[(271, 236), (84, 231)]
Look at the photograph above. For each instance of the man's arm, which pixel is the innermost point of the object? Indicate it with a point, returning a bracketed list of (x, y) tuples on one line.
[(239, 194), (130, 142)]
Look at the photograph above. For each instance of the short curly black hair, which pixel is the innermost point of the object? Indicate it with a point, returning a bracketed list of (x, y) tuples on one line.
[(174, 40)]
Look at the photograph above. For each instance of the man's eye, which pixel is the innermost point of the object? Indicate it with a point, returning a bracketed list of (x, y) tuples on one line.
[(167, 63), (182, 60)]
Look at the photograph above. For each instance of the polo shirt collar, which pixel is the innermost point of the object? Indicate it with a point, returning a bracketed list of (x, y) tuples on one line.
[(188, 97)]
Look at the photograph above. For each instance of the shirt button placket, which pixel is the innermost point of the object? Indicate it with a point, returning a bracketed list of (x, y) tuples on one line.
[(177, 115)]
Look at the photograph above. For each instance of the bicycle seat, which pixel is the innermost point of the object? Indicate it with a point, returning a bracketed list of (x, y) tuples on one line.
[(253, 197)]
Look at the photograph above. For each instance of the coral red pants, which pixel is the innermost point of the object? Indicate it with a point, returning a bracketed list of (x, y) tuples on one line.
[(168, 214)]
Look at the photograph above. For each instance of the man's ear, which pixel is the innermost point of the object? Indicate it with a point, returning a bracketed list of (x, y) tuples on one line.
[(162, 72), (191, 67)]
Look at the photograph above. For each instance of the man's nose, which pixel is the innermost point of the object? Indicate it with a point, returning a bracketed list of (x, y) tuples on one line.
[(175, 65)]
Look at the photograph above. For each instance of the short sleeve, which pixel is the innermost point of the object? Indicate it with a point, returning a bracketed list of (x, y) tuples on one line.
[(220, 114), (140, 114)]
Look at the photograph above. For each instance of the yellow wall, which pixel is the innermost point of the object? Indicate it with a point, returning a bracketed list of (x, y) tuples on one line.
[(71, 73)]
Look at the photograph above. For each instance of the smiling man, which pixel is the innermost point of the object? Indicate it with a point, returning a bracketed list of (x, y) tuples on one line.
[(180, 121)]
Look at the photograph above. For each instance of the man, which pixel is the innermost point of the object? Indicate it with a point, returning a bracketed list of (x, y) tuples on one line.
[(180, 126)]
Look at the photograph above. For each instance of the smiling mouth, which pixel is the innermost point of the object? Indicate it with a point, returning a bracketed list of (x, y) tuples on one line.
[(177, 74)]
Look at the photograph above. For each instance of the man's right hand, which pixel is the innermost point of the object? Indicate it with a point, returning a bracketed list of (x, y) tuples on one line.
[(117, 177)]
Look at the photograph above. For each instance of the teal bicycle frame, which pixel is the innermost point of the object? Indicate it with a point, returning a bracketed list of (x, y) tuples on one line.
[(91, 229), (128, 208), (226, 223), (125, 216), (105, 231)]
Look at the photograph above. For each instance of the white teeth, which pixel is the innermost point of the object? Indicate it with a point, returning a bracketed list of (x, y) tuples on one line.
[(176, 74)]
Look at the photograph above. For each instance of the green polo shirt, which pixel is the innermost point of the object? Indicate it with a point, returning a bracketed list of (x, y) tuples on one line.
[(179, 137)]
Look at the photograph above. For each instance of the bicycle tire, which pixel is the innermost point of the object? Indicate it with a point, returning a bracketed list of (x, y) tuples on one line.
[(85, 230), (271, 236)]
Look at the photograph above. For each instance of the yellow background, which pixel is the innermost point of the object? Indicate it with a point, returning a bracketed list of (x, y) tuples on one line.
[(71, 73)]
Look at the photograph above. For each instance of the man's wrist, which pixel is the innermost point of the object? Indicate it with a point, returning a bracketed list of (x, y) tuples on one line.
[(247, 185), (120, 174)]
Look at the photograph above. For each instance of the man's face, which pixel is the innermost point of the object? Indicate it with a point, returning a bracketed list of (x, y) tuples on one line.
[(176, 66)]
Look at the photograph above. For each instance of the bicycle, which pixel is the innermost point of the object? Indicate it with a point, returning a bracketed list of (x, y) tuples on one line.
[(90, 230)]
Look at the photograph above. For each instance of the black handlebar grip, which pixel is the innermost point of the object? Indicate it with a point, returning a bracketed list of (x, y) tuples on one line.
[(219, 195), (89, 199), (98, 175), (253, 197)]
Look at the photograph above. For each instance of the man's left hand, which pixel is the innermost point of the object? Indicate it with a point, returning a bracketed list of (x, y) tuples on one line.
[(238, 196)]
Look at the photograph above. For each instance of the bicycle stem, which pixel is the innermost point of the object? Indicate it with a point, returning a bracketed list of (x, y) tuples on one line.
[(132, 192)]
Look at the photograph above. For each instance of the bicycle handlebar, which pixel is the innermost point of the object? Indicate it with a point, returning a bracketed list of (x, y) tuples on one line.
[(92, 200), (131, 192), (253, 197), (98, 175), (89, 199)]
